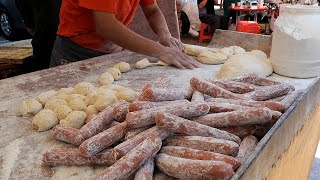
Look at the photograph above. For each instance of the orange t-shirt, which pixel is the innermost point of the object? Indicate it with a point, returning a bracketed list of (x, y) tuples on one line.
[(77, 23)]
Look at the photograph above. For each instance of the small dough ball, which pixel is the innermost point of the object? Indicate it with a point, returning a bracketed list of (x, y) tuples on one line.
[(75, 119), (113, 87), (106, 91), (60, 96), (45, 96), (143, 63), (259, 53), (207, 57), (65, 90), (116, 73), (83, 88), (53, 103), (104, 101), (106, 79), (91, 110), (45, 120), (127, 94), (123, 67), (30, 107), (76, 96), (62, 111), (241, 64), (238, 50), (78, 105)]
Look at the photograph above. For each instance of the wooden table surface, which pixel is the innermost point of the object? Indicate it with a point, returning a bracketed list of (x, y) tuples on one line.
[(21, 147)]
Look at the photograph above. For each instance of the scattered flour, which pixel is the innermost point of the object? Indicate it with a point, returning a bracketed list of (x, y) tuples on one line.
[(12, 152)]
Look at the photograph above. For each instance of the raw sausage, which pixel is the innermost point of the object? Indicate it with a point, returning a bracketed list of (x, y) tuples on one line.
[(189, 153), (271, 92), (197, 96), (164, 94), (193, 169), (66, 134), (291, 98), (243, 131), (130, 134), (146, 171), (129, 163), (146, 117), (205, 143), (235, 87), (141, 105), (246, 148), (119, 112), (179, 125)]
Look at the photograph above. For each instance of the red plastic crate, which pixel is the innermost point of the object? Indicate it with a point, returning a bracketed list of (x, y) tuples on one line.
[(248, 27)]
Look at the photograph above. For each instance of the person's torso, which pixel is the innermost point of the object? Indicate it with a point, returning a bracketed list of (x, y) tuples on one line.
[(77, 24), (208, 8)]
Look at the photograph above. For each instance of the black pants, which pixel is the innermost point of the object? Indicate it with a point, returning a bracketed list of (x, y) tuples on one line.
[(215, 21)]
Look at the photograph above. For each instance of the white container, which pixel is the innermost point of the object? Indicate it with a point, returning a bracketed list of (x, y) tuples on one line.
[(295, 48)]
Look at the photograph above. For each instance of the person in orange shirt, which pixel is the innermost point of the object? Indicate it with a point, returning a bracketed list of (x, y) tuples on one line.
[(90, 28)]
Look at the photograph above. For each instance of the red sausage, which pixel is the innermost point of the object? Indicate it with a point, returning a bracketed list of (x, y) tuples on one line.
[(164, 94), (246, 148), (141, 105), (66, 134), (146, 171), (271, 92), (197, 96), (235, 87), (119, 112)]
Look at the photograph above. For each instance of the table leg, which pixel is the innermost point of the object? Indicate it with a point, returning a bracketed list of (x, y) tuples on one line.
[(256, 16), (237, 16)]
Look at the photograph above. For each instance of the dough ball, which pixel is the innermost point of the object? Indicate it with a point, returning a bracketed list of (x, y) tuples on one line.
[(76, 96), (60, 96), (106, 91), (116, 73), (127, 94), (78, 105), (45, 96), (75, 119), (207, 57), (123, 67), (238, 50), (83, 88), (45, 120), (91, 110), (113, 87), (143, 63), (53, 103), (104, 101), (259, 53), (244, 64), (65, 90), (62, 111), (193, 50), (30, 107), (106, 79)]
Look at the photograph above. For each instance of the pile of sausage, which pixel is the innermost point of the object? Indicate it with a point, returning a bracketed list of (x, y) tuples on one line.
[(208, 137)]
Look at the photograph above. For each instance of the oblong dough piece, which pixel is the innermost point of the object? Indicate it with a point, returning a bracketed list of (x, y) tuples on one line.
[(65, 90), (83, 88), (62, 111), (243, 64), (115, 72), (104, 101), (45, 96), (207, 57), (53, 103), (45, 120), (106, 79), (30, 107), (193, 50), (123, 67), (75, 119), (91, 110), (77, 105), (127, 94)]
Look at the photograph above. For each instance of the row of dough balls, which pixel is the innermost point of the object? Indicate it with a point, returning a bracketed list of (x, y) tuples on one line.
[(114, 73)]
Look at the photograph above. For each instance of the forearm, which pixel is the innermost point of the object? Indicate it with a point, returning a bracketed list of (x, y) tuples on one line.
[(156, 20), (203, 4), (123, 36)]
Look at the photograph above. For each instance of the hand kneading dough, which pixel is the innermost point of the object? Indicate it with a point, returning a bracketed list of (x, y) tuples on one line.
[(62, 111), (104, 101), (243, 64), (116, 73), (91, 110), (45, 96), (45, 120), (53, 103), (30, 107), (65, 90), (106, 79), (207, 57), (77, 105), (75, 119), (127, 94), (83, 88), (123, 67), (259, 53)]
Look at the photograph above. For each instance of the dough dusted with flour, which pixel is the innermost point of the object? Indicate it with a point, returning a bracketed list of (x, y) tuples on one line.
[(259, 53), (77, 105), (45, 96), (113, 87), (106, 79), (83, 88), (115, 72), (104, 101), (75, 119), (45, 120), (65, 90), (238, 50), (245, 63), (53, 103), (127, 94), (193, 50), (207, 57), (76, 96), (91, 110), (62, 111), (106, 91), (60, 96), (30, 107), (123, 67)]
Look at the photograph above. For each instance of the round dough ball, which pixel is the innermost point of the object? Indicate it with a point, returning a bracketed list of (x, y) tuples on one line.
[(75, 119), (244, 64), (106, 79), (78, 105), (259, 53), (207, 57), (83, 88), (45, 120), (30, 107), (143, 63), (238, 50), (62, 111), (106, 91), (127, 94), (104, 101), (123, 67), (53, 103), (116, 73), (76, 96), (113, 87), (65, 90), (91, 110), (45, 96), (60, 96)]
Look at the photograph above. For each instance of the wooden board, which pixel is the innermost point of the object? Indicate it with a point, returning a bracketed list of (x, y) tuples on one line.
[(14, 55)]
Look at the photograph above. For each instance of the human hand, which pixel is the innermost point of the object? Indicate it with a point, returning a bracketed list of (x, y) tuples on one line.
[(175, 57), (170, 41)]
